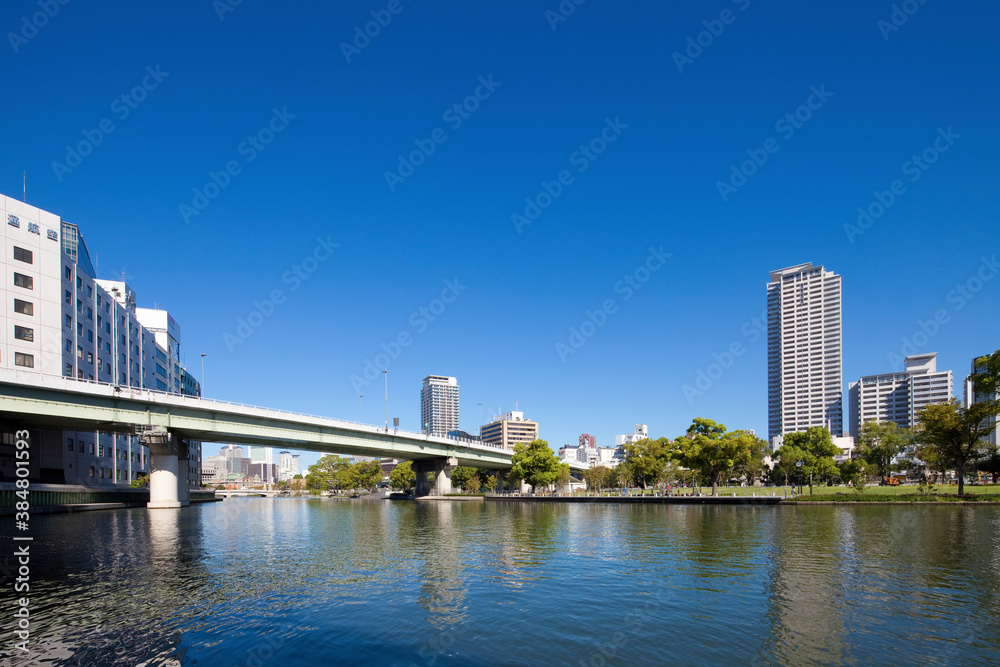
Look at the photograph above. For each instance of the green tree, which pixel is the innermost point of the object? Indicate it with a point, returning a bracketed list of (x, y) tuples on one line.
[(712, 452), (461, 475), (991, 464), (535, 463), (325, 473), (855, 472), (597, 477), (956, 435), (140, 481), (473, 485), (881, 442), (402, 477), (563, 476), (815, 448), (366, 475), (749, 464), (492, 481), (647, 460)]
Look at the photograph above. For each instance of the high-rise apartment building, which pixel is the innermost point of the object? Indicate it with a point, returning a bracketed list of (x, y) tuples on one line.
[(60, 320), (509, 429), (288, 465), (897, 397), (804, 351), (587, 440), (439, 405)]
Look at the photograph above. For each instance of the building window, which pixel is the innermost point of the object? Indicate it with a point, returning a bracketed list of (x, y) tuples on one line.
[(69, 370), (22, 255), (67, 273), (91, 471), (24, 307), (90, 313), (69, 321), (25, 360), (90, 292), (24, 333), (69, 444), (79, 352), (90, 336), (21, 280), (79, 328), (79, 446), (102, 473), (91, 448), (90, 358)]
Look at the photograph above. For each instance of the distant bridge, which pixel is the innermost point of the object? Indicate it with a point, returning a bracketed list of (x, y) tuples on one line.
[(167, 422)]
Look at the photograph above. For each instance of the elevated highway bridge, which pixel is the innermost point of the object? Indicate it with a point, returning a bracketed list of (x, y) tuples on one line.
[(167, 422)]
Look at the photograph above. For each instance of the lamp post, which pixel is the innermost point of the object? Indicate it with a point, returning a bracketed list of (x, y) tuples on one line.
[(362, 401), (480, 419), (203, 373), (386, 371)]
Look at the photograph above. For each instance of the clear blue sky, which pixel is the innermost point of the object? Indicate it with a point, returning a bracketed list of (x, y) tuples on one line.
[(521, 290)]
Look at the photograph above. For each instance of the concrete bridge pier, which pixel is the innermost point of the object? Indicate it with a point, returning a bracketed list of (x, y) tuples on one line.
[(439, 472), (168, 470)]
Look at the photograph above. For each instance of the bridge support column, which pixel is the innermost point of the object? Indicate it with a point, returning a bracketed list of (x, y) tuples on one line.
[(168, 470), (439, 471)]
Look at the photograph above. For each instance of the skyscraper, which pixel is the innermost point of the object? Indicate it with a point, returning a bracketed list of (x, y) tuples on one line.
[(804, 351), (439, 405)]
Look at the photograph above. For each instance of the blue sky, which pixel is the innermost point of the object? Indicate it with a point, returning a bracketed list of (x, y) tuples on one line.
[(308, 129)]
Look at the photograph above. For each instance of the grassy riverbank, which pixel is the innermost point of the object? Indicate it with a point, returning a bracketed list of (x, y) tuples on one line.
[(902, 493)]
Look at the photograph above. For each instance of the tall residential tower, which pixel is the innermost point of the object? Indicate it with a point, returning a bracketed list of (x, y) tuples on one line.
[(804, 351), (439, 405)]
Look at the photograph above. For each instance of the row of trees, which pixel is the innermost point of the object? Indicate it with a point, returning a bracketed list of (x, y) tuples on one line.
[(333, 473), (708, 453)]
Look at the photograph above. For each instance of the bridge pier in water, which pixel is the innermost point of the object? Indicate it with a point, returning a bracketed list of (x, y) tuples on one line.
[(168, 470), (439, 472)]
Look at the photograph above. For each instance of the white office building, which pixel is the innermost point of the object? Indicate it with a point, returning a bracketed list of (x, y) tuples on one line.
[(60, 320), (804, 351), (439, 405), (898, 397), (288, 465)]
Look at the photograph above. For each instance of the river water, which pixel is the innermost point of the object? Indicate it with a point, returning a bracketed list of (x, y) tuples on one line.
[(310, 582)]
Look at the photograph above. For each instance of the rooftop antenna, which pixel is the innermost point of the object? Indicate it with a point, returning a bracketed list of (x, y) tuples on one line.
[(24, 185)]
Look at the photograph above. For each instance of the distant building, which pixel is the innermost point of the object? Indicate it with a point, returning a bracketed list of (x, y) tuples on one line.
[(288, 465), (587, 440), (804, 351), (898, 397), (439, 405), (260, 454), (592, 456), (462, 435), (641, 433), (509, 429)]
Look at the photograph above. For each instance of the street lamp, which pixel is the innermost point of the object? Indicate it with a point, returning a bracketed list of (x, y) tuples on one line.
[(386, 371), (362, 400), (480, 419), (203, 373)]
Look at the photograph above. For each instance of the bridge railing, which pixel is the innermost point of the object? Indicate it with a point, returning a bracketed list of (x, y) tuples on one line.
[(126, 391)]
